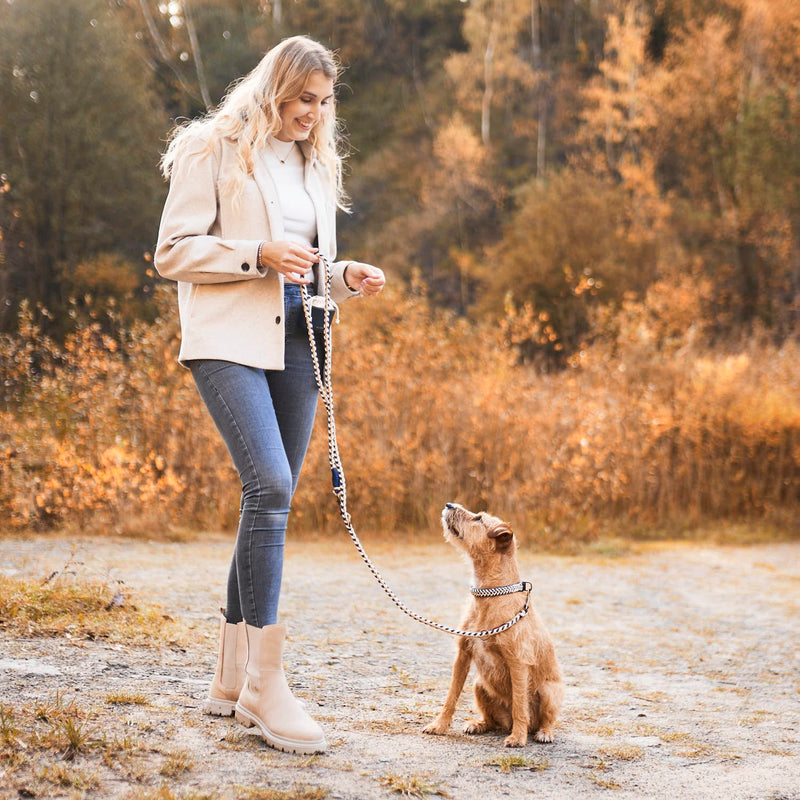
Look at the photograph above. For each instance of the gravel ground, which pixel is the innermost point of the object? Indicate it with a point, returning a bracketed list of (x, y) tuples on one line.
[(681, 666)]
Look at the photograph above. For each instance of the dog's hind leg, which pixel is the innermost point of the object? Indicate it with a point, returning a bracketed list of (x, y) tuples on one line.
[(550, 695), (493, 716)]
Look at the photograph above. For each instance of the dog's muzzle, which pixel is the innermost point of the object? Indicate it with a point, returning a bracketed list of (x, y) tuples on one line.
[(449, 512)]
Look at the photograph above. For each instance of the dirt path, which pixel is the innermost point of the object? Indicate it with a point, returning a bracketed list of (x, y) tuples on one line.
[(682, 671)]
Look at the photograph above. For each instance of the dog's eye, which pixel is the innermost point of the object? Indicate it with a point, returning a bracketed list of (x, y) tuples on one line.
[(477, 518)]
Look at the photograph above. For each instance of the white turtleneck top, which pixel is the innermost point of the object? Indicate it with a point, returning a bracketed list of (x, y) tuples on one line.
[(286, 165)]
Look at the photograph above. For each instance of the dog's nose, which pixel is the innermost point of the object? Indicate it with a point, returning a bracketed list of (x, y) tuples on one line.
[(449, 505)]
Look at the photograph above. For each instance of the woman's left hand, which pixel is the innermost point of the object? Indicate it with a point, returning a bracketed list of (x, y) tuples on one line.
[(364, 278)]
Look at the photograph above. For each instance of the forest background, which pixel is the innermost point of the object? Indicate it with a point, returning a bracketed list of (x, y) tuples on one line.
[(588, 212)]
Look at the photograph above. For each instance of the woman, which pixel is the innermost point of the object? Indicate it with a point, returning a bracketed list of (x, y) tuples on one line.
[(254, 188)]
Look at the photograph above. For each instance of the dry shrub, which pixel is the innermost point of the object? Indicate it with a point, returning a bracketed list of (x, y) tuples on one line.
[(104, 432), (635, 435)]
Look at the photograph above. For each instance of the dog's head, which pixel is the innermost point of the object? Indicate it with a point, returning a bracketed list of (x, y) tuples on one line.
[(478, 535)]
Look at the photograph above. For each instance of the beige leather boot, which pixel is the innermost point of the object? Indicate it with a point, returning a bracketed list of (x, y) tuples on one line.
[(267, 701), (229, 675)]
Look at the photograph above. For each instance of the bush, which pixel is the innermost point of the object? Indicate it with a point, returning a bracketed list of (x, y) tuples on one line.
[(634, 435)]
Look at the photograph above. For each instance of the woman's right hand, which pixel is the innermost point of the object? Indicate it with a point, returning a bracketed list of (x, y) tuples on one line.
[(294, 261)]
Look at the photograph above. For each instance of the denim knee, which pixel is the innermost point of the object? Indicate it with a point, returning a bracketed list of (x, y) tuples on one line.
[(269, 490)]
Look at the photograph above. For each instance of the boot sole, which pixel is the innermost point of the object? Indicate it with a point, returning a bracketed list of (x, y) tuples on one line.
[(219, 708), (278, 742)]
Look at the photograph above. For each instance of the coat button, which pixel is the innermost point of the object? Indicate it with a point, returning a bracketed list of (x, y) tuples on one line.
[(245, 267), (277, 320)]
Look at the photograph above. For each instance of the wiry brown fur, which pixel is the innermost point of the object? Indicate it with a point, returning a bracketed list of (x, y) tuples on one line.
[(519, 687)]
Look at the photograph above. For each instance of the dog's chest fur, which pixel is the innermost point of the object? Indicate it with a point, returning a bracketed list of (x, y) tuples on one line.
[(488, 658)]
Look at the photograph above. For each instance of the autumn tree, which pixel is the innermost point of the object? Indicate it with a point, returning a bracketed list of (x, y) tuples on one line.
[(79, 141), (727, 149)]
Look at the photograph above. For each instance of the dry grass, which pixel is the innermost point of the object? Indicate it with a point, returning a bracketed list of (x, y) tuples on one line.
[(604, 783), (509, 764), (296, 793), (62, 729), (628, 441), (127, 699), (411, 786), (68, 776), (622, 752), (60, 745), (68, 603), (175, 764), (165, 792)]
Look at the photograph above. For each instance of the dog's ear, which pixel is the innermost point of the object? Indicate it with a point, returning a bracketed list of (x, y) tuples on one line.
[(502, 535)]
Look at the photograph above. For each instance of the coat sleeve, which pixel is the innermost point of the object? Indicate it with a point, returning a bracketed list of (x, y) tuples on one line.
[(188, 248), (339, 289)]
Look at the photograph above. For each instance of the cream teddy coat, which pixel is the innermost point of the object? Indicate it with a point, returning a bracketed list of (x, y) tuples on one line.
[(229, 308)]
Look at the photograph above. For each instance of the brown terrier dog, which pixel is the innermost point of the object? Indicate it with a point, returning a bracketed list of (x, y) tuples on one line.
[(519, 686)]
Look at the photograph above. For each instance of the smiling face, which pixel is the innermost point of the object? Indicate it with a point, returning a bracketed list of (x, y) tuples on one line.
[(299, 116)]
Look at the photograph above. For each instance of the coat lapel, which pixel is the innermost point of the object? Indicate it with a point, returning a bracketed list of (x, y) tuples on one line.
[(269, 193), (326, 214)]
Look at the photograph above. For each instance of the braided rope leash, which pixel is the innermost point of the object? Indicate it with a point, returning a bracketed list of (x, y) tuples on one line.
[(323, 376)]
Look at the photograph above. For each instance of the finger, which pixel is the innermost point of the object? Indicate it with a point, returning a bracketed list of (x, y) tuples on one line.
[(308, 255), (300, 265)]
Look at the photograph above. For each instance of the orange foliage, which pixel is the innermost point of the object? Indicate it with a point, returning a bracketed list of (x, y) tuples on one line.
[(640, 430)]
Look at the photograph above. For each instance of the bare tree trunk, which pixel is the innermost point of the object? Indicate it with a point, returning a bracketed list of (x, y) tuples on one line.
[(486, 104), (154, 34), (161, 47), (198, 61), (536, 36), (419, 86), (541, 135), (541, 89)]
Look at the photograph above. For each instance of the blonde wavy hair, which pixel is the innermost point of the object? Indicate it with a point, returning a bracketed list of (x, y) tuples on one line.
[(251, 111)]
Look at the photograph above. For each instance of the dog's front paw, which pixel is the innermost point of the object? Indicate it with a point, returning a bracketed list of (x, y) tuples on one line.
[(543, 736), (437, 728), (515, 741), (475, 727)]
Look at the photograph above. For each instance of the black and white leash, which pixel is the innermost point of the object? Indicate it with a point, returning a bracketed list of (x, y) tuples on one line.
[(324, 382)]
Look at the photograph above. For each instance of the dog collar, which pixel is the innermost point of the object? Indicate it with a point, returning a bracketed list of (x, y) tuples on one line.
[(499, 591)]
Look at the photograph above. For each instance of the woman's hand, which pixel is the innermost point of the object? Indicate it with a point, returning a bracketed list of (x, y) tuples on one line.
[(294, 261), (364, 278)]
